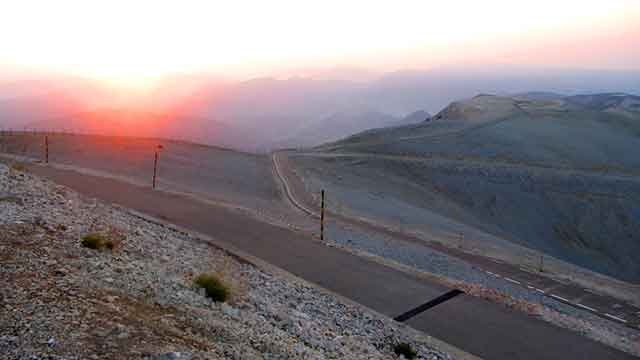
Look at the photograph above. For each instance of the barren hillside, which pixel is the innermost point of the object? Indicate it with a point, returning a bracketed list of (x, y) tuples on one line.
[(553, 173)]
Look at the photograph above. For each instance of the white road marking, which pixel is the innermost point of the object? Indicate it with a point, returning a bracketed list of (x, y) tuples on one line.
[(616, 318), (587, 307), (540, 291), (513, 281), (530, 287), (559, 298)]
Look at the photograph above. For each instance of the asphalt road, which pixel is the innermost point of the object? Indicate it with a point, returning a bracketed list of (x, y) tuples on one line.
[(480, 327)]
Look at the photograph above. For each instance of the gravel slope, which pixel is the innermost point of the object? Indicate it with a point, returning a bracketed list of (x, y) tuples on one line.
[(62, 301)]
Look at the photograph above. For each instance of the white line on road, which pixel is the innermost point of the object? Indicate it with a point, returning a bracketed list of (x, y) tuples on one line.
[(513, 281), (559, 298), (616, 318), (540, 291), (587, 307), (531, 287)]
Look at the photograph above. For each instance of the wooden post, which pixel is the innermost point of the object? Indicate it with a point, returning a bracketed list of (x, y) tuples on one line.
[(155, 164), (541, 263), (155, 169), (322, 216), (46, 149)]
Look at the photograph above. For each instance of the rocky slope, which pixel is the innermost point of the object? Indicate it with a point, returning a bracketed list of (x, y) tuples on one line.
[(60, 300)]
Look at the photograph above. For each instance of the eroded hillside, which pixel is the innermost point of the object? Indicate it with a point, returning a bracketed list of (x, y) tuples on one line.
[(556, 174)]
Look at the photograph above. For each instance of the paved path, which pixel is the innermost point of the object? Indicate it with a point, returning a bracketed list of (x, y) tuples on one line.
[(480, 327), (604, 306)]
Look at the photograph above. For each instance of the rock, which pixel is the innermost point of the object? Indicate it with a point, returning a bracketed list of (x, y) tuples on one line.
[(39, 221), (61, 272), (7, 338), (230, 311), (172, 356)]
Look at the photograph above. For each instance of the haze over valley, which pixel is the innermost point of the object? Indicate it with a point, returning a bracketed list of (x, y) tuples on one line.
[(330, 180), (264, 114)]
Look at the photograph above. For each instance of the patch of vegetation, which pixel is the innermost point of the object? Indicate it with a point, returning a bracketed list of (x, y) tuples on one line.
[(11, 198), (97, 241), (405, 350), (214, 288), (18, 166)]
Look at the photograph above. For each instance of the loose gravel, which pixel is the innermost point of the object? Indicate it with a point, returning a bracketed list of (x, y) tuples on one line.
[(59, 300), (472, 280)]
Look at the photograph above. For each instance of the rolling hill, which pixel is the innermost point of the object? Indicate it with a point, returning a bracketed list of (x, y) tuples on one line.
[(554, 173)]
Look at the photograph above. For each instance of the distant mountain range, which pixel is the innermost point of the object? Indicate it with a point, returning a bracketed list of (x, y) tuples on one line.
[(266, 113)]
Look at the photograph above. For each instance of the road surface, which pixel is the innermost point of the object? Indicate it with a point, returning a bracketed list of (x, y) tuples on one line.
[(480, 327)]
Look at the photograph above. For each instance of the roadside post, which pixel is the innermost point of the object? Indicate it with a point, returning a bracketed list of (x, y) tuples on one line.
[(155, 165), (46, 149), (322, 216)]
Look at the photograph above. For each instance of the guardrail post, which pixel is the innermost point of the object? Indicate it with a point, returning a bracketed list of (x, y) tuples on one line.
[(541, 263), (155, 169), (322, 216), (155, 164)]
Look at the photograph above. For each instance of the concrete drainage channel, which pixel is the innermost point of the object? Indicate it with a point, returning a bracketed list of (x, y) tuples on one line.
[(428, 305)]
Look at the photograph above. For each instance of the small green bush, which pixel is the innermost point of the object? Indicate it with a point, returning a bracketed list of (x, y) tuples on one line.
[(97, 242), (405, 350), (213, 287), (19, 167)]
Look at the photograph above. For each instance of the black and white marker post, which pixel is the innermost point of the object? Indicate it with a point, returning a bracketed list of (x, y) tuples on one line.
[(322, 216)]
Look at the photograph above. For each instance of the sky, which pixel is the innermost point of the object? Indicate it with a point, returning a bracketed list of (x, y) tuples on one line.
[(133, 42)]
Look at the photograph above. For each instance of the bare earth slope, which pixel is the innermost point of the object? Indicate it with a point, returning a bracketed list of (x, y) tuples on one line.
[(60, 300), (221, 175), (556, 174)]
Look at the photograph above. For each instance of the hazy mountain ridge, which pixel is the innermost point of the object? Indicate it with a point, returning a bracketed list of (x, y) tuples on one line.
[(265, 113), (566, 132)]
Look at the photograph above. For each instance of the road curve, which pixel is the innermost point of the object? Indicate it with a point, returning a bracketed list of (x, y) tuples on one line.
[(477, 326)]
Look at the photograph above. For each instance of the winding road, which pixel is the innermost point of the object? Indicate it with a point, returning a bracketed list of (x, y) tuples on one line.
[(477, 326)]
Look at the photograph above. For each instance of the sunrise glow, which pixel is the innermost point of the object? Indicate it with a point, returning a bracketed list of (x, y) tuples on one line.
[(133, 42)]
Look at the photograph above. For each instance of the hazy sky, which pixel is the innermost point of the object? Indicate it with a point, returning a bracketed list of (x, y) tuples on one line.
[(132, 41)]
